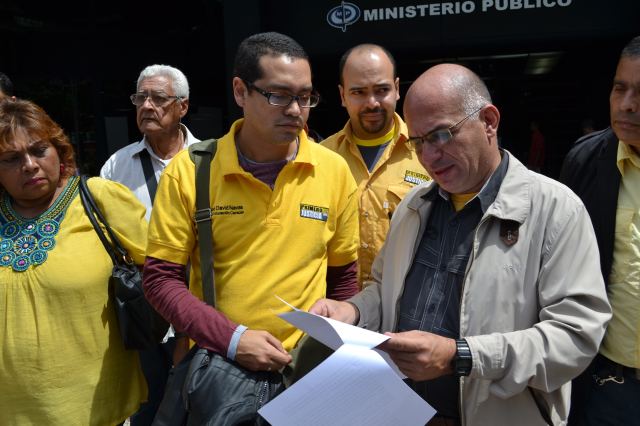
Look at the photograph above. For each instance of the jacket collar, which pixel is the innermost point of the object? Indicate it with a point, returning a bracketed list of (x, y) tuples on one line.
[(189, 139), (512, 201)]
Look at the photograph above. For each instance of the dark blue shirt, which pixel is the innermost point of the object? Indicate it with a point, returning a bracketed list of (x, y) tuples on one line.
[(371, 154), (433, 287)]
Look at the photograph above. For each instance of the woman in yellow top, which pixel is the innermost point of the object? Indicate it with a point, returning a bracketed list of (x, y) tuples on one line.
[(62, 360)]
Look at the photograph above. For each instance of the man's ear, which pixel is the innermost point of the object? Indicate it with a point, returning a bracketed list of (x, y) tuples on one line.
[(184, 107), (239, 91), (341, 90), (397, 84), (490, 116)]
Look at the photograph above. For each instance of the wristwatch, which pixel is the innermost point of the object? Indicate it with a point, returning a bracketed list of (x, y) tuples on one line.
[(462, 361)]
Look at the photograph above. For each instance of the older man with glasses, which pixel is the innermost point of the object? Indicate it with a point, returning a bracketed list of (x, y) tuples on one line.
[(488, 283), (161, 100)]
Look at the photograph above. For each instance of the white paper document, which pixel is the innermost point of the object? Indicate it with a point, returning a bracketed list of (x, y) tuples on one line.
[(356, 385)]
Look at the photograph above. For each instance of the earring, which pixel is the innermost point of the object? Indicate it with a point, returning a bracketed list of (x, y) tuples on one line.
[(61, 168)]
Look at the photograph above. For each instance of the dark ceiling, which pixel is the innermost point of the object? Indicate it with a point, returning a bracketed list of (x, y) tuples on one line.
[(80, 62)]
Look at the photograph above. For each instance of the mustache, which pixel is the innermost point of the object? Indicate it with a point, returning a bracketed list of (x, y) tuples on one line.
[(439, 165), (627, 118), (298, 123), (372, 111)]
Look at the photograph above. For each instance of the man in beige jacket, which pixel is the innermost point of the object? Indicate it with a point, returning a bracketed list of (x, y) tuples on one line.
[(489, 281)]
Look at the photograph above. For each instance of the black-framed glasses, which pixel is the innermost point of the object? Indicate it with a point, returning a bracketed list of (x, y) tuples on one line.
[(157, 99), (440, 137), (308, 100)]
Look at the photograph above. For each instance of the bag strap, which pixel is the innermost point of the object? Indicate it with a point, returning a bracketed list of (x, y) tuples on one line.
[(202, 154), (149, 175), (114, 247)]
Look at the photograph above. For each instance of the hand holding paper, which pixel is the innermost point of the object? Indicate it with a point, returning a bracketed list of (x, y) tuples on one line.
[(355, 385), (419, 354), (331, 332), (341, 311)]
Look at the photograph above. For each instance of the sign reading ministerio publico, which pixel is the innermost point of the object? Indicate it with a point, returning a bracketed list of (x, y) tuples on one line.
[(348, 13)]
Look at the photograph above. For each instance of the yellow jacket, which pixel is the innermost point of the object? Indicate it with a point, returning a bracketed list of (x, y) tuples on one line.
[(380, 191)]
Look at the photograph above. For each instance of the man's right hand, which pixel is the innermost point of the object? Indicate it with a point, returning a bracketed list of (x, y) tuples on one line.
[(340, 311), (260, 351)]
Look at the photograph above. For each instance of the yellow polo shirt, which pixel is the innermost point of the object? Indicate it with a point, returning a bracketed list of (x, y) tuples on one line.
[(379, 191), (266, 242), (622, 340)]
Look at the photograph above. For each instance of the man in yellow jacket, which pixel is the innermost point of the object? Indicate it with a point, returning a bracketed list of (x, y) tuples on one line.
[(374, 143)]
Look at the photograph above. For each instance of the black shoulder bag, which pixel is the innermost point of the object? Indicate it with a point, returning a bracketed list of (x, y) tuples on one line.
[(141, 327), (207, 388)]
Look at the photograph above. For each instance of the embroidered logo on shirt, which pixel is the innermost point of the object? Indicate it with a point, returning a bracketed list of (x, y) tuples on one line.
[(414, 177), (227, 209), (314, 212), (509, 231)]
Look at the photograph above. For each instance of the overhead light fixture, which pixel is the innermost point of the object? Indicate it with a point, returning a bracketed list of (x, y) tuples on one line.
[(537, 63), (542, 63)]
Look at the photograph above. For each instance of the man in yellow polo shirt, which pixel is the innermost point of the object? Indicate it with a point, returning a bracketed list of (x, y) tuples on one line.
[(374, 143), (604, 170), (284, 217)]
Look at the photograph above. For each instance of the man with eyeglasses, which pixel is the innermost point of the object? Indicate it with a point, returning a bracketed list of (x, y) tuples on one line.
[(161, 100), (488, 283), (284, 218), (374, 144)]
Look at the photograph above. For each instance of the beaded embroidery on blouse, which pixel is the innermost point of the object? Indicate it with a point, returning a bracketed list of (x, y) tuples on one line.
[(25, 242)]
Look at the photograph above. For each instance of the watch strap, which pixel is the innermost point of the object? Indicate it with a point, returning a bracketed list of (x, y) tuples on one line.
[(463, 361)]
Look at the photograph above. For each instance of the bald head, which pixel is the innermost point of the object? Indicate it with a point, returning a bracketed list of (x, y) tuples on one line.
[(455, 85), (366, 49), (448, 111)]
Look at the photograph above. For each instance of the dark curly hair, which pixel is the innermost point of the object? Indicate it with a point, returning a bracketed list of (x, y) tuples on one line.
[(25, 115)]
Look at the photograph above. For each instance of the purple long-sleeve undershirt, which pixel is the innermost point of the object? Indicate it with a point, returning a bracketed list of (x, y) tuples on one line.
[(164, 286)]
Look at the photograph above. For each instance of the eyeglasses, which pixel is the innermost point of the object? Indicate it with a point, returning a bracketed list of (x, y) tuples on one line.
[(308, 100), (440, 137), (157, 99)]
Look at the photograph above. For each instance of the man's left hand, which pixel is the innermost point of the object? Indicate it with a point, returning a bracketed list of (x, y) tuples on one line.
[(421, 355)]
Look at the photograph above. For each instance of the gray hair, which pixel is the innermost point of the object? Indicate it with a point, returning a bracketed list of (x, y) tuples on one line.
[(178, 80), (632, 49)]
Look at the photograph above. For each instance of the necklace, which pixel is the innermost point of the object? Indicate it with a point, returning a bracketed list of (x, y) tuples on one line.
[(27, 241)]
